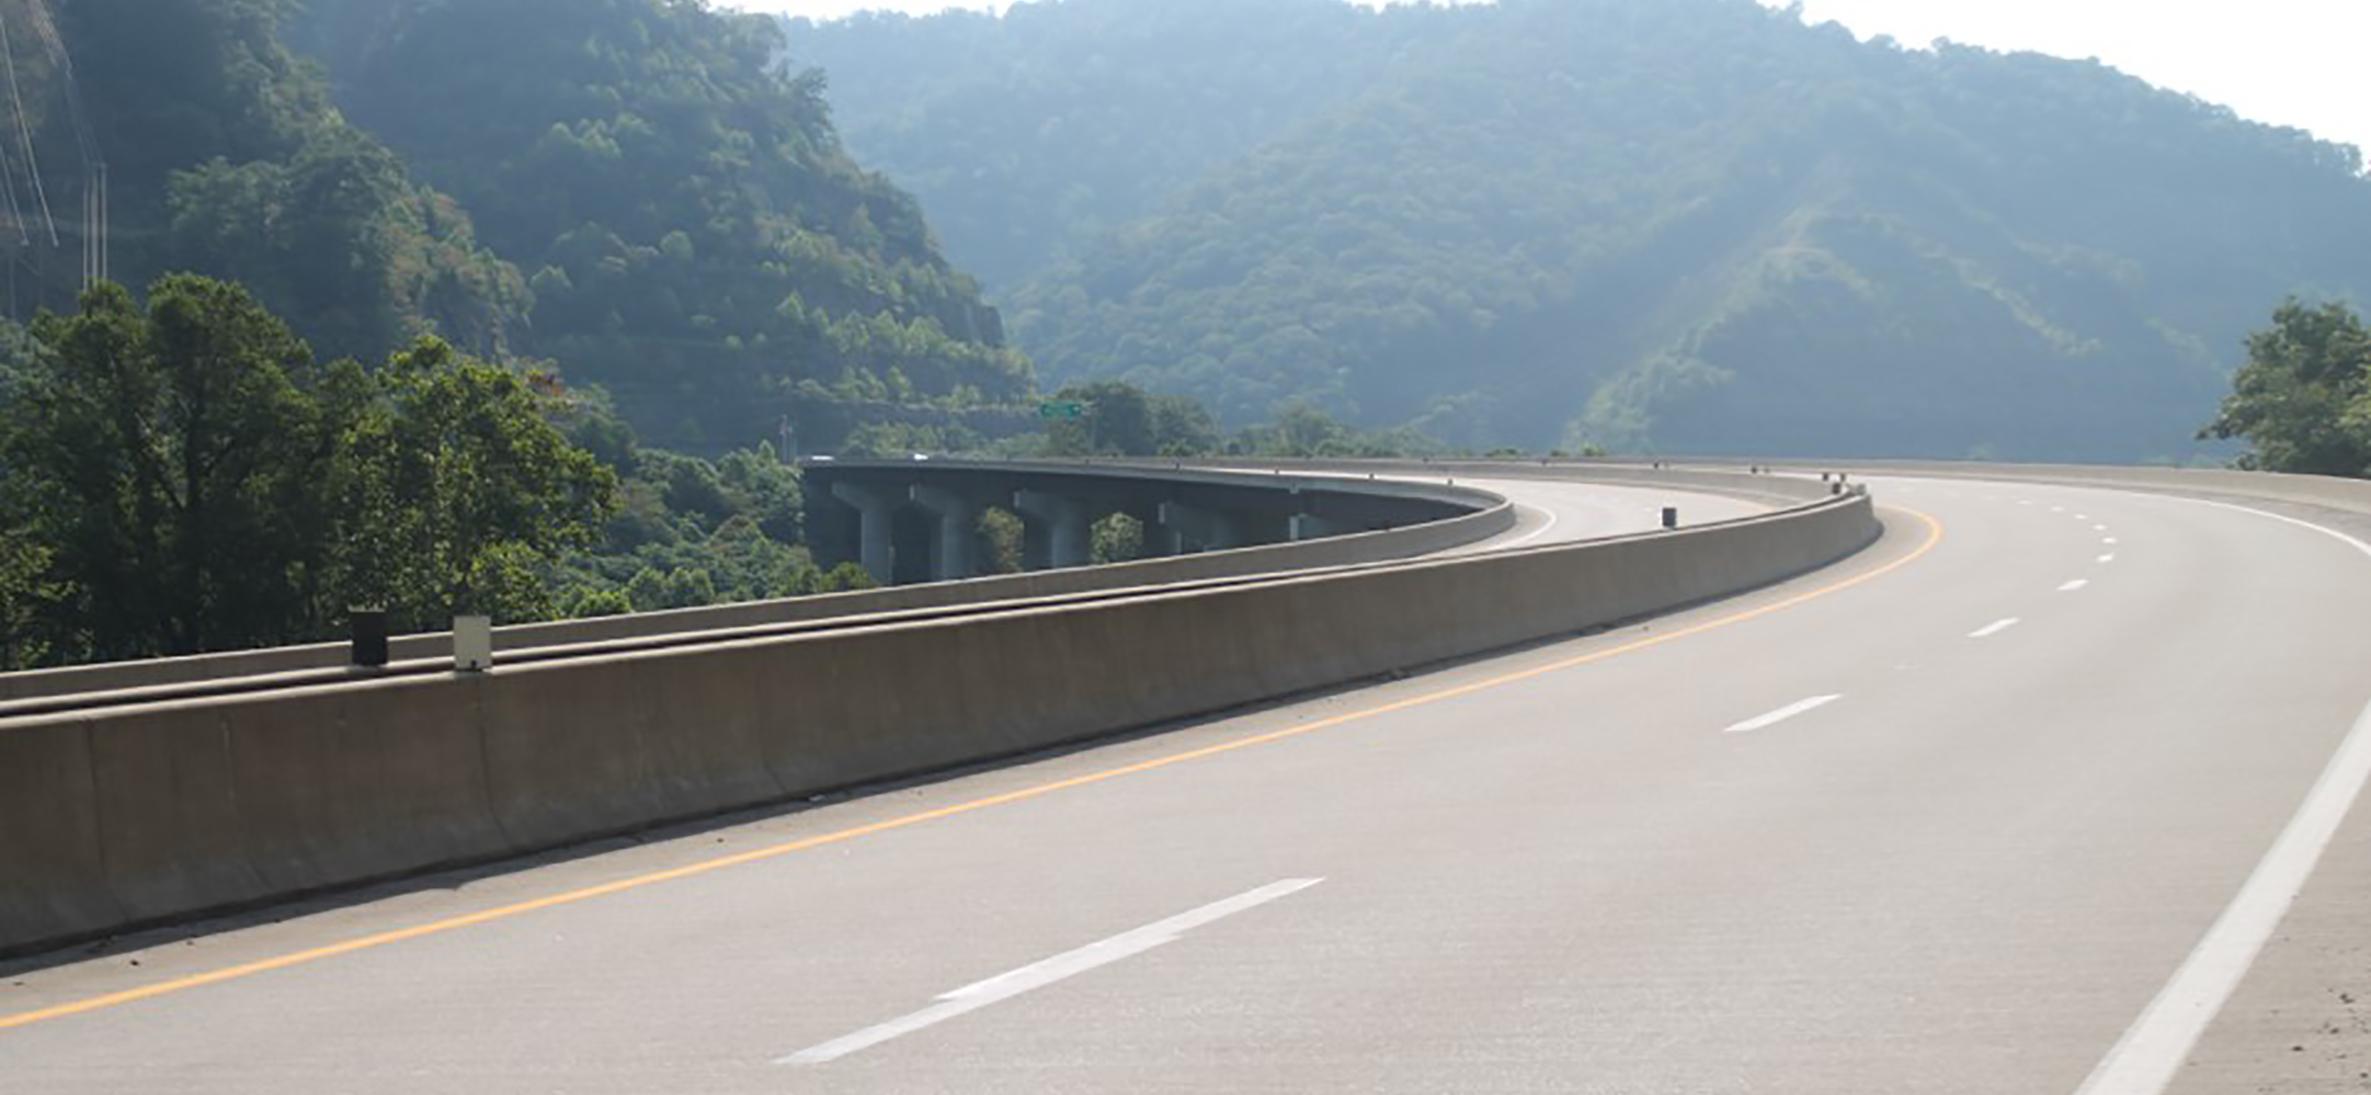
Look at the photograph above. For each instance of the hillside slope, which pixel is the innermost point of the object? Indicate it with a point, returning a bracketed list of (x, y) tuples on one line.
[(224, 156), (698, 240), (1689, 224)]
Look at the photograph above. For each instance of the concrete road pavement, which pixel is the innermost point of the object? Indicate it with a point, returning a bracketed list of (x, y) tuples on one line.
[(1946, 818)]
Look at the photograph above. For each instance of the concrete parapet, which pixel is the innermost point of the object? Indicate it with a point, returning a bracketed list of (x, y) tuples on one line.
[(134, 815), (1416, 519)]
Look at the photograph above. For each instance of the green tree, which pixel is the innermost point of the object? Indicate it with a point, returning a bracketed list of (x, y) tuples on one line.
[(1182, 426), (1001, 534), (167, 459), (28, 600), (1118, 538), (453, 489), (2303, 400), (846, 578), (1118, 421)]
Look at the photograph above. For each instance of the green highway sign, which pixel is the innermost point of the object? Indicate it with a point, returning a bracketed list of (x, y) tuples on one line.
[(1062, 408)]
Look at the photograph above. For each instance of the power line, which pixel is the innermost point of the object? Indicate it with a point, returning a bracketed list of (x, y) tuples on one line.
[(24, 130)]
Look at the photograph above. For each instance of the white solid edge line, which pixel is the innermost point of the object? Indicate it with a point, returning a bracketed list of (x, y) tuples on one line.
[(1994, 628), (2158, 1043), (1764, 722), (2072, 586), (1528, 536), (1036, 975)]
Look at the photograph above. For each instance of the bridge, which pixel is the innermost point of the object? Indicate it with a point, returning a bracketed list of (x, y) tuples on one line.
[(1888, 777)]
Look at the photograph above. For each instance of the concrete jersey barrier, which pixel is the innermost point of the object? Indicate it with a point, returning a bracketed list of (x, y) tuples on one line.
[(120, 817), (1485, 515)]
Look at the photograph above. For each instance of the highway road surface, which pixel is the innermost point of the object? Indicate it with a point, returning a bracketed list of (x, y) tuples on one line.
[(1549, 512), (2017, 801)]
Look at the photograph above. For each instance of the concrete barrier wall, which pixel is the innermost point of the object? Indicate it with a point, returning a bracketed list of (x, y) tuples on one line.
[(135, 815), (1486, 515)]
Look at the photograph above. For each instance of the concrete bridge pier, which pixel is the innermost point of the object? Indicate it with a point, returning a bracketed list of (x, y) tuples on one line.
[(1310, 526), (1184, 528), (959, 524), (876, 511), (1065, 522)]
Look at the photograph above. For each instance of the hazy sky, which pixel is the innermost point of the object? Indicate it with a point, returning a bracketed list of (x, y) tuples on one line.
[(2288, 62)]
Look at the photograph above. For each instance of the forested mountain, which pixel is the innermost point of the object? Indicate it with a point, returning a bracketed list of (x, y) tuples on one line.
[(697, 240), (223, 154), (1031, 133), (1680, 224)]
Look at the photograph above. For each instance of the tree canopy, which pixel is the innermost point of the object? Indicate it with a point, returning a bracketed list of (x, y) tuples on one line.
[(699, 243), (184, 477), (225, 156), (2303, 400)]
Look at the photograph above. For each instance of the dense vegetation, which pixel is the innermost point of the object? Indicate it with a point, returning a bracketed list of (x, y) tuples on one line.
[(224, 155), (1676, 224), (1031, 134), (698, 241), (2303, 400), (184, 477)]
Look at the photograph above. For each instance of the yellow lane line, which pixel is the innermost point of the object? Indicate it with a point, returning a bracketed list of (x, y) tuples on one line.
[(504, 912)]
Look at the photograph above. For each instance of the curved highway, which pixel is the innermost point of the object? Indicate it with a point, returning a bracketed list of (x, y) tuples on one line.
[(1550, 512), (2029, 797)]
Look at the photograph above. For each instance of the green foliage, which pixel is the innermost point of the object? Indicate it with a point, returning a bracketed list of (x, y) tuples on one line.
[(1001, 533), (1027, 135), (1118, 421), (847, 578), (2303, 400), (184, 478), (166, 460), (226, 158), (1121, 419), (450, 487), (28, 599), (691, 532), (704, 248), (1691, 224), (1117, 538)]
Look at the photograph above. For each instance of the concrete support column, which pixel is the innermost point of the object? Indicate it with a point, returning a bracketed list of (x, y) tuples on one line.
[(959, 527), (1310, 526), (877, 508), (1209, 529), (1066, 523)]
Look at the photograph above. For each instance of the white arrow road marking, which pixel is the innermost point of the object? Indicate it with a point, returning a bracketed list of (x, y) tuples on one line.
[(1764, 722), (1037, 975)]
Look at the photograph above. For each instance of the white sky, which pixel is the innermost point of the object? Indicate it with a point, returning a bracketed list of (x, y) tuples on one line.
[(2287, 62)]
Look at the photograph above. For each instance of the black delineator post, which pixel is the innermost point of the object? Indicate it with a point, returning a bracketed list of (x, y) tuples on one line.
[(369, 629)]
